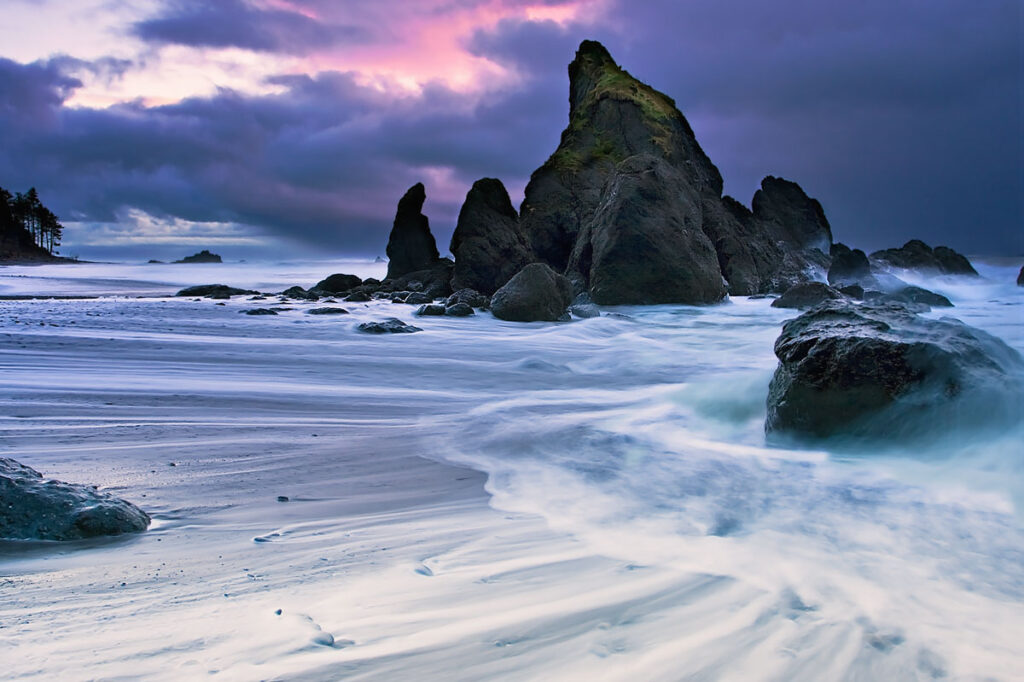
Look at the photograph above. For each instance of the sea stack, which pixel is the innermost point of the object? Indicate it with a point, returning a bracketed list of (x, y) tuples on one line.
[(411, 246)]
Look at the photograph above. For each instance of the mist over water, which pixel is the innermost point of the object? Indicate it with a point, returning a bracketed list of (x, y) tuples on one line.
[(679, 545)]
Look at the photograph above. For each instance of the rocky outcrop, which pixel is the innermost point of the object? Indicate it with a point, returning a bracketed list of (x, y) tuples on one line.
[(882, 372), (630, 208), (791, 217), (411, 246), (487, 243), (203, 256), (916, 255), (1020, 277), (34, 508), (536, 293), (216, 291), (806, 295)]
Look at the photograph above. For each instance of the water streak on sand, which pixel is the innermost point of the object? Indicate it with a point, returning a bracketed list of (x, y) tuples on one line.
[(636, 527)]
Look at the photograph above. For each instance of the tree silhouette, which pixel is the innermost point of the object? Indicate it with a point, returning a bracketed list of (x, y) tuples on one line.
[(26, 211)]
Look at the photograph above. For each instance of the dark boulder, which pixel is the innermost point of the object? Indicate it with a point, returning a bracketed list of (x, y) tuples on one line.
[(327, 310), (806, 295), (1020, 277), (34, 508), (470, 297), (882, 372), (487, 243), (430, 309), (338, 283), (459, 310), (392, 325), (418, 298), (259, 311), (434, 282), (203, 256), (916, 255), (411, 246), (358, 297), (644, 244), (535, 293), (215, 291), (300, 293), (850, 266)]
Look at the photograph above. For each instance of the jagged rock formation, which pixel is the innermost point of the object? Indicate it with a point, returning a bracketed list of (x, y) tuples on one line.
[(630, 207), (916, 255), (203, 256), (487, 244), (34, 508), (880, 372), (411, 246)]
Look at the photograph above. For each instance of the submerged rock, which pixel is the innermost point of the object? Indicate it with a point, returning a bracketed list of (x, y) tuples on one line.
[(583, 306), (34, 508), (411, 246), (327, 310), (882, 372), (430, 309), (536, 293), (392, 325), (459, 310), (300, 293), (806, 295), (488, 246), (259, 311), (215, 291), (912, 294)]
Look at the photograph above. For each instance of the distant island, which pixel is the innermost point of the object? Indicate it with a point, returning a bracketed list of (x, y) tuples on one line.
[(203, 256), (29, 231)]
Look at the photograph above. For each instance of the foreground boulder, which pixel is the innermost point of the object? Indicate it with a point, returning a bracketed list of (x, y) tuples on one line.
[(214, 291), (411, 246), (916, 255), (34, 508), (882, 372), (537, 293), (487, 243), (806, 295), (203, 256)]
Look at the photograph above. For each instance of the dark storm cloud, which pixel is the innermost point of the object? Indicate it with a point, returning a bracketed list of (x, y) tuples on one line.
[(903, 119), (236, 23), (323, 162)]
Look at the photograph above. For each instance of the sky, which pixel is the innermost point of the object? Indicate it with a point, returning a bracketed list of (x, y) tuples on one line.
[(290, 128)]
